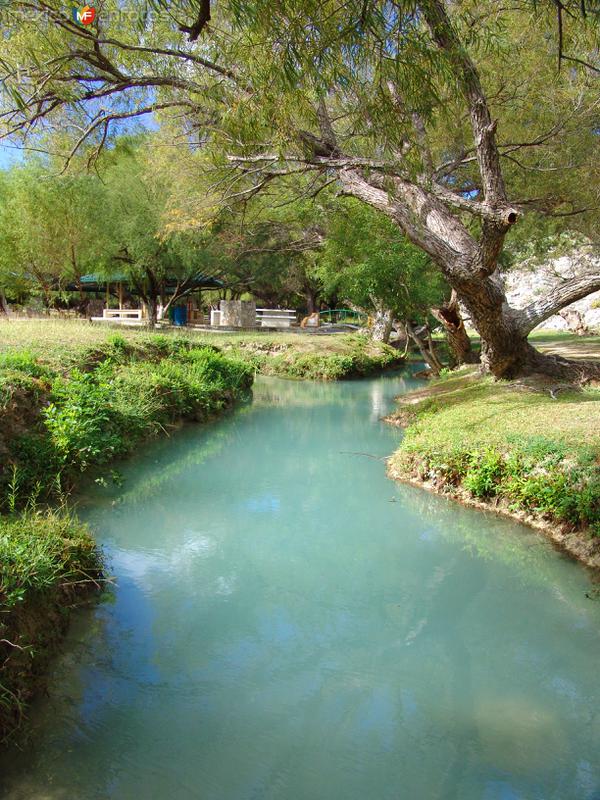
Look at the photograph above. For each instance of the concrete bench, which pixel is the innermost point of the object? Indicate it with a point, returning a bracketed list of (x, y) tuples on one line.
[(275, 317), (122, 313)]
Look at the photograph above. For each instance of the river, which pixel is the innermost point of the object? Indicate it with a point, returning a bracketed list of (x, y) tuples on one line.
[(289, 624)]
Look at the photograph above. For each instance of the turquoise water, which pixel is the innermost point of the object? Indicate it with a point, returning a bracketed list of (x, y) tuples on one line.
[(289, 624)]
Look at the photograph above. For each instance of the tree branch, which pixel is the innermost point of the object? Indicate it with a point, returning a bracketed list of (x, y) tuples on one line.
[(201, 21), (555, 300), (484, 129)]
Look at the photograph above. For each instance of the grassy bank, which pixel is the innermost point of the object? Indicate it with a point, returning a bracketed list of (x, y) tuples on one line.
[(525, 449), (56, 423), (63, 410), (311, 357), (48, 564), (289, 355)]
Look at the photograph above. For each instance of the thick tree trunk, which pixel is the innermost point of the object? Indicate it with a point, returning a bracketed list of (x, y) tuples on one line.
[(382, 326), (312, 297), (505, 351), (458, 340), (152, 309)]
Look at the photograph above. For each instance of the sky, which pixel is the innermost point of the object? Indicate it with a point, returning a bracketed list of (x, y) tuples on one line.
[(9, 155)]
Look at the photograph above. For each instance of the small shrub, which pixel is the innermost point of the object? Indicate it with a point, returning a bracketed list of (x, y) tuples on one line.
[(40, 551), (484, 472), (23, 362), (81, 420)]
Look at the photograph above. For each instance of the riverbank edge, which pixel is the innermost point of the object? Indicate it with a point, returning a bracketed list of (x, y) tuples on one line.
[(46, 620), (331, 358), (416, 413), (576, 544), (35, 621), (65, 571)]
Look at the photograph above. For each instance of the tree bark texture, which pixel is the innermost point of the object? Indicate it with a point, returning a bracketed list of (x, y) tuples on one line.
[(382, 326), (458, 340)]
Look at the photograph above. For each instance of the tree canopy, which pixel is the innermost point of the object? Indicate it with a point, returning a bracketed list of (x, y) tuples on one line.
[(369, 263), (451, 119)]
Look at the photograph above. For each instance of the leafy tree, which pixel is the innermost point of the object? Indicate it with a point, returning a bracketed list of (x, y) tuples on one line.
[(161, 263), (265, 244), (403, 105), (369, 263), (50, 229)]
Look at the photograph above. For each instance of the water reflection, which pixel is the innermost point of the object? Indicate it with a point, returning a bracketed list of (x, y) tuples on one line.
[(289, 624)]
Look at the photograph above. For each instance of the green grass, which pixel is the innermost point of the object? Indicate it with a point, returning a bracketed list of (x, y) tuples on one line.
[(464, 410), (61, 345), (549, 336), (47, 559), (509, 443), (57, 344), (40, 551), (313, 357)]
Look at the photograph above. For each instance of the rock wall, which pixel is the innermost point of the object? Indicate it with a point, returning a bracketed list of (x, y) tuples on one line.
[(529, 282)]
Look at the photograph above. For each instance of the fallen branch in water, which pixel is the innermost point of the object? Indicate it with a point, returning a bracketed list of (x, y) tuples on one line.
[(358, 453), (95, 581)]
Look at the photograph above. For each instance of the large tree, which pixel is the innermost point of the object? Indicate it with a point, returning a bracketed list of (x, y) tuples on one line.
[(160, 261), (368, 263), (395, 101), (51, 230)]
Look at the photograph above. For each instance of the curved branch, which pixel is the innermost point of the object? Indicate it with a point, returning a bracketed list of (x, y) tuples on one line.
[(200, 22), (555, 300)]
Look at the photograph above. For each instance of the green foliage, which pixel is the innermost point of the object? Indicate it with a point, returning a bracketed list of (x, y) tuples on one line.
[(51, 229), (81, 421), (493, 442), (551, 488), (121, 394), (16, 385), (483, 473), (369, 263), (24, 362), (329, 367), (315, 358), (314, 366), (47, 561), (39, 551)]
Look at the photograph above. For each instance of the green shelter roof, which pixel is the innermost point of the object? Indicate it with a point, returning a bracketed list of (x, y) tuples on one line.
[(97, 282)]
